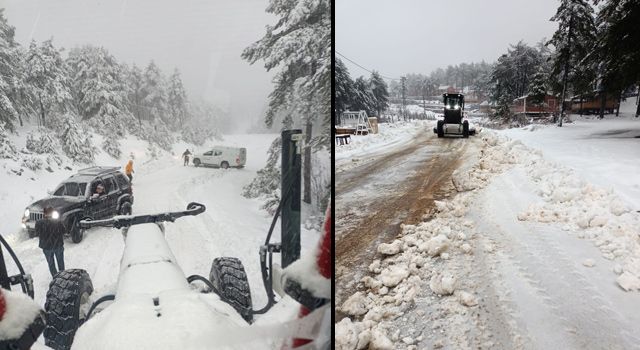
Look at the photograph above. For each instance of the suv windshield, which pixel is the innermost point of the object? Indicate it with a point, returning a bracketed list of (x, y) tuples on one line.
[(72, 189), (452, 102)]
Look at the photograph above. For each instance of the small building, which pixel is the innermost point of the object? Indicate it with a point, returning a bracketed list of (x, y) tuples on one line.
[(591, 103), (526, 106)]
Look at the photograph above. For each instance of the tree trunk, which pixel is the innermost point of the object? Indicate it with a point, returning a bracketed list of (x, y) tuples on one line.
[(581, 105), (618, 108), (41, 112), (307, 165), (566, 71), (603, 102), (638, 102)]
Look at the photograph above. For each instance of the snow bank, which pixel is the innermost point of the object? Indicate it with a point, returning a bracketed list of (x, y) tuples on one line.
[(390, 135)]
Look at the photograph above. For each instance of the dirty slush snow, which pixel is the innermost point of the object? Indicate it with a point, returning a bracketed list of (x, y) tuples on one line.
[(423, 290)]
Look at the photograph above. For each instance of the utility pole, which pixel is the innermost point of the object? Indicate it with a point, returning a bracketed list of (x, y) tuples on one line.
[(404, 102), (566, 70)]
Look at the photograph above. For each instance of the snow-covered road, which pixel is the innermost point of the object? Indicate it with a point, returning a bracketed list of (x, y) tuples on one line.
[(529, 254), (231, 225)]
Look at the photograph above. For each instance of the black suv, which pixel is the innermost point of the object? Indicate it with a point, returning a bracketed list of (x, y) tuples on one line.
[(73, 200)]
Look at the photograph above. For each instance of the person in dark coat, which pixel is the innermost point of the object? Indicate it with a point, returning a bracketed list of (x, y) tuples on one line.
[(186, 155), (51, 232)]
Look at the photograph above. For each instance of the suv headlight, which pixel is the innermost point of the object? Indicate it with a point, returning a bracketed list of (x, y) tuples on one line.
[(55, 215), (26, 213)]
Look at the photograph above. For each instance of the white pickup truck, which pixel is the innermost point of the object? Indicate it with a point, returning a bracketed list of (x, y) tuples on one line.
[(222, 156)]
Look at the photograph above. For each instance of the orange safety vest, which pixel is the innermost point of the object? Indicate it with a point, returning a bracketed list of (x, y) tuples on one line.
[(129, 168)]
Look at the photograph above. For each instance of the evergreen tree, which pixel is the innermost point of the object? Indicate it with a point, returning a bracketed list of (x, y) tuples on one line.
[(300, 44), (380, 93), (572, 41), (344, 89), (46, 77), (177, 99), (155, 94), (135, 91), (9, 74), (617, 44), (363, 99), (99, 90), (76, 143), (538, 87), (513, 72)]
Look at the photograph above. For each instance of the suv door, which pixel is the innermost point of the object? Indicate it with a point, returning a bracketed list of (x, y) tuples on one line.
[(112, 190), (97, 206)]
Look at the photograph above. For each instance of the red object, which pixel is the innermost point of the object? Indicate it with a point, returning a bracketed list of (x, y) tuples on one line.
[(3, 305), (324, 265)]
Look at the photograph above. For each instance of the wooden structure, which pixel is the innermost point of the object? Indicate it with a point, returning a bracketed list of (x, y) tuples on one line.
[(591, 103), (354, 123), (525, 106), (343, 139)]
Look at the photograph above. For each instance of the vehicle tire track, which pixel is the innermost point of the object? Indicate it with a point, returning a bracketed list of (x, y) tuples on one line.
[(414, 196)]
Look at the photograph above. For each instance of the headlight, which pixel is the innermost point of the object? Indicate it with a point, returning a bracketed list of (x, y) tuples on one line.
[(55, 215), (26, 213), (456, 107)]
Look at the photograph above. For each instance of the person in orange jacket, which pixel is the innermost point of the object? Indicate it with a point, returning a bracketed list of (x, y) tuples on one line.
[(128, 170)]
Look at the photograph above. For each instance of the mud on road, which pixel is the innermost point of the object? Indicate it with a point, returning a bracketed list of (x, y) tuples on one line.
[(374, 199)]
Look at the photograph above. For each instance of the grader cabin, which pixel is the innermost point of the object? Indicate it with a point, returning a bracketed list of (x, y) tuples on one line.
[(526, 106)]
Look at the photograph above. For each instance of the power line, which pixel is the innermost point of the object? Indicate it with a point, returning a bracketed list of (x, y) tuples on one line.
[(350, 60)]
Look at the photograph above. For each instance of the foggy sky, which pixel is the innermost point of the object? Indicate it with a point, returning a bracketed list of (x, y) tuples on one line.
[(202, 38), (418, 36)]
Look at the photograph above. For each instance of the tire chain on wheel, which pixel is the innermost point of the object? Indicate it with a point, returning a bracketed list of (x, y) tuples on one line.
[(63, 306), (230, 279)]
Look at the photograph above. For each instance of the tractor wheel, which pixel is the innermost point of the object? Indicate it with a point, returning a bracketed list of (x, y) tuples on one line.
[(125, 209), (224, 165), (77, 233), (230, 280), (465, 129), (440, 128), (196, 162), (66, 307)]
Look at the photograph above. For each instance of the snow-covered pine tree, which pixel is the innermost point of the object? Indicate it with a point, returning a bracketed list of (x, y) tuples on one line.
[(111, 145), (513, 72), (538, 87), (99, 90), (9, 71), (344, 90), (617, 44), (135, 90), (268, 179), (7, 148), (155, 94), (42, 142), (177, 102), (76, 144), (47, 79), (573, 40), (380, 93), (300, 45), (363, 96)]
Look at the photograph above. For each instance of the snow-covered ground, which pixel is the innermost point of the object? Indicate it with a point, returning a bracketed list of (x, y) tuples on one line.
[(540, 248), (390, 136), (231, 226)]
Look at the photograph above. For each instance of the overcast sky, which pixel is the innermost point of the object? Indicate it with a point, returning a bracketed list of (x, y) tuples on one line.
[(202, 38), (418, 36)]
